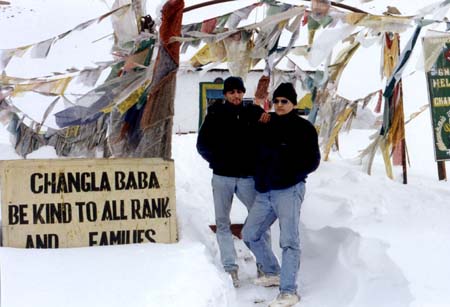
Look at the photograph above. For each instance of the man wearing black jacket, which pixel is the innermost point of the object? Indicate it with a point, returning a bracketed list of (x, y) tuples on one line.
[(287, 152), (227, 141)]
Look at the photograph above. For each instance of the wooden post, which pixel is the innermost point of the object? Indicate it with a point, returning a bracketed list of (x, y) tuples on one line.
[(442, 174), (403, 142), (405, 176), (212, 2), (137, 7)]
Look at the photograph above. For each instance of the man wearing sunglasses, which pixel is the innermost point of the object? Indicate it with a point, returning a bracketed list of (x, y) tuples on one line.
[(288, 151), (227, 141)]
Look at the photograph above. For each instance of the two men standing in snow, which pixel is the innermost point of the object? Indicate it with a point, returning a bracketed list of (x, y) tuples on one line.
[(265, 163)]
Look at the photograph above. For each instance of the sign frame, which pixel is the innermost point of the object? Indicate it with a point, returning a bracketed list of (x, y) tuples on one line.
[(58, 203), (204, 100), (436, 50)]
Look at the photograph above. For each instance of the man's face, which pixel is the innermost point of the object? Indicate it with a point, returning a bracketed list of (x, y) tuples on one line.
[(234, 96), (282, 105)]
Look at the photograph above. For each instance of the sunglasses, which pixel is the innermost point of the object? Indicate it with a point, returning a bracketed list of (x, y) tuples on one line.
[(234, 91), (283, 101)]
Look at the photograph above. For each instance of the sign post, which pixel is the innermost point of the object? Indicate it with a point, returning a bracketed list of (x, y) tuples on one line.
[(87, 202), (437, 69)]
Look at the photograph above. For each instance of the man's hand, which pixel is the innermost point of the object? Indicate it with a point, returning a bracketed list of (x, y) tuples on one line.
[(265, 118)]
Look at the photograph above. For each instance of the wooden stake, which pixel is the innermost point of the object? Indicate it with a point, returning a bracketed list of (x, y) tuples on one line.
[(403, 142), (442, 174), (405, 176)]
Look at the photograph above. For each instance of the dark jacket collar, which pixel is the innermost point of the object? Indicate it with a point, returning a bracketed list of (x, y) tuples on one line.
[(233, 106), (287, 116)]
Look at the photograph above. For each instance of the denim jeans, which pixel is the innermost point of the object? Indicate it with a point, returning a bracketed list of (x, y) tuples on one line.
[(224, 189), (285, 205)]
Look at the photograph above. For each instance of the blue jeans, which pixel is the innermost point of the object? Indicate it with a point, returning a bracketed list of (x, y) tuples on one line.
[(285, 205), (224, 189)]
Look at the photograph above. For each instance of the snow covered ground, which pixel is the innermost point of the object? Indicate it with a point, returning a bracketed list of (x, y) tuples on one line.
[(366, 240)]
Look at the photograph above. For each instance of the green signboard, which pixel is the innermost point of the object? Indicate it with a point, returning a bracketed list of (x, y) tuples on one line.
[(437, 69), (210, 92)]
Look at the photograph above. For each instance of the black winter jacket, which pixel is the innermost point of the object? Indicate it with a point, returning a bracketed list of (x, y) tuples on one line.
[(287, 152), (227, 139)]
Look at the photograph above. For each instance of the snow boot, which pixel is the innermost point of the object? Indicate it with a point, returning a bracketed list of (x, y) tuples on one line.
[(267, 281), (259, 271), (285, 300), (235, 278)]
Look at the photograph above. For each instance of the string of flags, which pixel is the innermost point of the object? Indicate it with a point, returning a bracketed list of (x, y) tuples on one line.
[(42, 48), (126, 101)]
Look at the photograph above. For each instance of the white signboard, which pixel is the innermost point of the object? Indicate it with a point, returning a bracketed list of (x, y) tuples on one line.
[(87, 202)]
